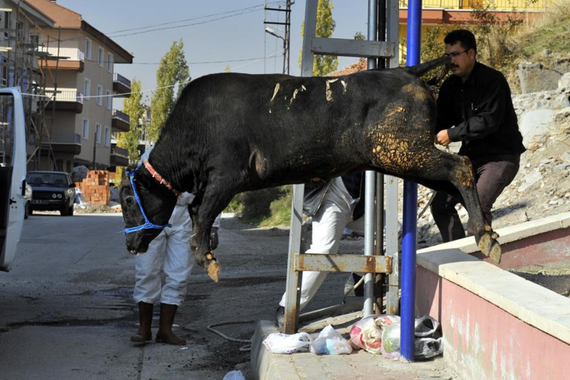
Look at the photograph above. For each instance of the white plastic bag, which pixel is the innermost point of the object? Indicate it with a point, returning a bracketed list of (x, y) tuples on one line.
[(391, 341), (234, 375), (280, 343), (330, 342)]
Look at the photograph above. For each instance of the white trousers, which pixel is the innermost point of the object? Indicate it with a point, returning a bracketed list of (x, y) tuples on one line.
[(328, 224), (170, 253)]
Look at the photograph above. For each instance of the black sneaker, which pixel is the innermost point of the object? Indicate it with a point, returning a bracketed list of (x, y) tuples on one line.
[(280, 317)]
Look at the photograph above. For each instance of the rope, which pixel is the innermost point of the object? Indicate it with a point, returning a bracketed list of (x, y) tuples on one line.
[(236, 340)]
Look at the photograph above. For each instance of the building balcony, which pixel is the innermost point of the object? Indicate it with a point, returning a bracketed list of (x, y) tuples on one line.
[(66, 99), (53, 58), (121, 85), (61, 142), (119, 156), (120, 122), (461, 11), (498, 5)]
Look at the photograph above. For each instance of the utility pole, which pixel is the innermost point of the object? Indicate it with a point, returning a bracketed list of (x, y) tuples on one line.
[(287, 35)]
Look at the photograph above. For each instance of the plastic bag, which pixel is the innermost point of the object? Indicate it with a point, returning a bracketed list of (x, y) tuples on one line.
[(234, 375), (280, 343), (391, 341), (367, 333), (425, 348), (427, 342), (330, 342)]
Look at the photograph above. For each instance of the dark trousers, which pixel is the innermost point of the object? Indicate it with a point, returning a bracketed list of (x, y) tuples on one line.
[(492, 177)]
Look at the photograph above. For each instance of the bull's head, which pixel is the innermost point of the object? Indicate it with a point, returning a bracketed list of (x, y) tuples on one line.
[(147, 207)]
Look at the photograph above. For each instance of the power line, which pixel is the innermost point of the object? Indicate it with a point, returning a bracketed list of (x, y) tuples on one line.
[(143, 91), (194, 63), (237, 12), (190, 19)]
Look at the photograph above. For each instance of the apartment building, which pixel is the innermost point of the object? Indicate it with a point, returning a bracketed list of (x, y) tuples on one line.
[(80, 83), (19, 60)]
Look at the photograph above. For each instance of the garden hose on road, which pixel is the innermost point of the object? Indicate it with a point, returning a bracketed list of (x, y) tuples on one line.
[(236, 340)]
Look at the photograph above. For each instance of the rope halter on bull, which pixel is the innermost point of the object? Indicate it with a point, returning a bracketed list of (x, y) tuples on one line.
[(148, 224)]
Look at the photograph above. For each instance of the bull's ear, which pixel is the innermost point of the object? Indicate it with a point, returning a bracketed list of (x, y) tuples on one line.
[(129, 170)]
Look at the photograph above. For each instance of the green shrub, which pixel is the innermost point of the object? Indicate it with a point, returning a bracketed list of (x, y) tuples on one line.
[(267, 207)]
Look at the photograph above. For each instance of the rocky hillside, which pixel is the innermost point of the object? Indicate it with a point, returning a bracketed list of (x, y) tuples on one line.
[(542, 186)]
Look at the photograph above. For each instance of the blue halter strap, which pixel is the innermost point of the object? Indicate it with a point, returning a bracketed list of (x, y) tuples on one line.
[(147, 225)]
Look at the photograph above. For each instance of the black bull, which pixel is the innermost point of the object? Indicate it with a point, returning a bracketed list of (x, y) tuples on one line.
[(230, 133)]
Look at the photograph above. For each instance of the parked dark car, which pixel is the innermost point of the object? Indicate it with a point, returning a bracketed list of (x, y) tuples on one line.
[(52, 191)]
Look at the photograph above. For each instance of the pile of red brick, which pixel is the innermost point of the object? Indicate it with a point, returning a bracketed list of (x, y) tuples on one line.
[(95, 187)]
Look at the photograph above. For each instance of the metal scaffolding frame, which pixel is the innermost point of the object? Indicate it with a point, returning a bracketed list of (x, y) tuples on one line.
[(372, 261), (21, 66)]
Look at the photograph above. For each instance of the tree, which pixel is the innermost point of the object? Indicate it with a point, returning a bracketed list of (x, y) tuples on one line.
[(173, 72), (134, 108), (323, 64)]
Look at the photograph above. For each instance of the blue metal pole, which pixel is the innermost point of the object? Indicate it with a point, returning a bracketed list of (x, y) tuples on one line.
[(410, 206)]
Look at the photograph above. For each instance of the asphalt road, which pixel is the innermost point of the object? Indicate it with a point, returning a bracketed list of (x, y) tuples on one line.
[(67, 311)]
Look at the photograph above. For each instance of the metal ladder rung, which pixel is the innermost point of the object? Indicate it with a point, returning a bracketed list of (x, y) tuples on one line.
[(352, 48), (342, 263)]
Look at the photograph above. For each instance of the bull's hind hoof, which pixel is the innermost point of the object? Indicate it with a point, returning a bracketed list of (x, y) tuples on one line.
[(490, 246), (496, 252), (213, 267)]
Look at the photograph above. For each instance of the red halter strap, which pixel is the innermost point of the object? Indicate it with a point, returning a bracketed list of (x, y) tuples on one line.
[(159, 178)]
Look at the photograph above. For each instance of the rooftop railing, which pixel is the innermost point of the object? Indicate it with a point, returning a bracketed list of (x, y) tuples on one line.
[(519, 5)]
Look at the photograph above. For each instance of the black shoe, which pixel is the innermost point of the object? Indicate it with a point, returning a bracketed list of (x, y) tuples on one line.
[(280, 317)]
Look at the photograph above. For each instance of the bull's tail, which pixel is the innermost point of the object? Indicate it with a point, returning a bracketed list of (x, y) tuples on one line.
[(425, 67)]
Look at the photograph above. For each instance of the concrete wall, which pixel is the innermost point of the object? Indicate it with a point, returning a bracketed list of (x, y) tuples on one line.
[(496, 325)]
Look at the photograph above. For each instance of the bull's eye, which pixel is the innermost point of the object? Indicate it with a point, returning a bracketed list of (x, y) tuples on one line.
[(130, 200)]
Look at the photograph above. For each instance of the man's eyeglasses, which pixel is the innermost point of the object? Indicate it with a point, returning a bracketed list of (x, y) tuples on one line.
[(456, 53)]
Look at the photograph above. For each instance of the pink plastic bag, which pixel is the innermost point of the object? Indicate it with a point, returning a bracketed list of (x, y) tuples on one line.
[(367, 333)]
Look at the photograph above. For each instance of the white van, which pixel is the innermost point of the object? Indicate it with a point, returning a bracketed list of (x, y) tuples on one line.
[(12, 173)]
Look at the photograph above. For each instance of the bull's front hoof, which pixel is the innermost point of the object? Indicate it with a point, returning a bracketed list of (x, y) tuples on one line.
[(490, 246), (213, 267)]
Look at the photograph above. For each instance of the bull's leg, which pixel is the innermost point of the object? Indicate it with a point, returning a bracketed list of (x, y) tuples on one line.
[(215, 199), (458, 171)]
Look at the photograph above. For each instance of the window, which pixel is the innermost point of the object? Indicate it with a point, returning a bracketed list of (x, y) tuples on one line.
[(7, 23), (98, 133), (87, 89), (99, 95), (85, 129), (107, 136), (4, 72), (87, 48), (35, 40), (20, 31), (110, 62), (101, 57), (109, 99)]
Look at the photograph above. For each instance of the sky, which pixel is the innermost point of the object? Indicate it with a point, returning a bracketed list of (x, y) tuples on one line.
[(216, 33)]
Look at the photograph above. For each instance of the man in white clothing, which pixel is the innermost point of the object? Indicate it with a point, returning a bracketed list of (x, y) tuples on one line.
[(170, 253), (339, 208)]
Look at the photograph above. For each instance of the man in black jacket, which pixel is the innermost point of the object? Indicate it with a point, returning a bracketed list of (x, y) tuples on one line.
[(475, 107)]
